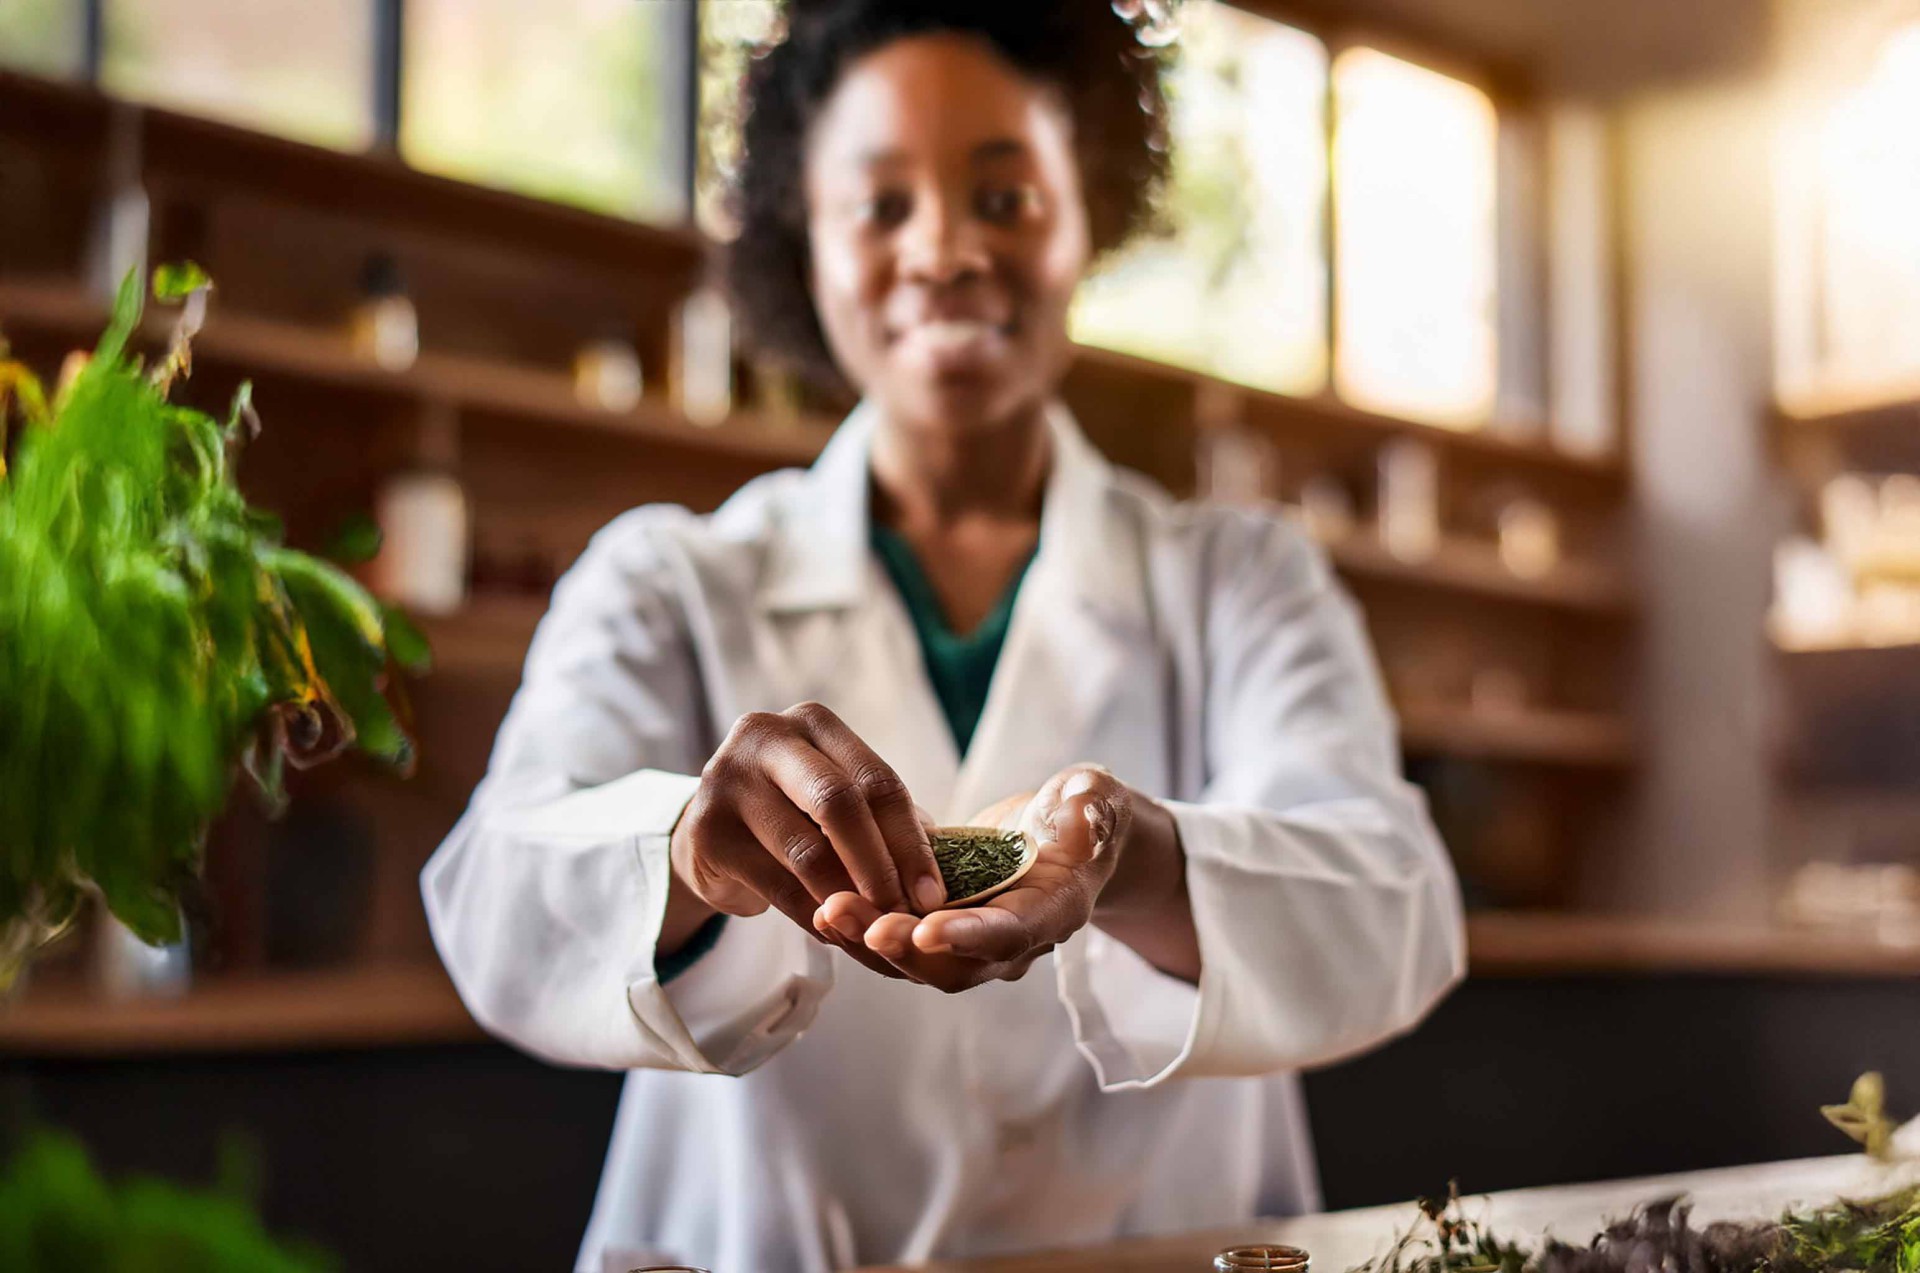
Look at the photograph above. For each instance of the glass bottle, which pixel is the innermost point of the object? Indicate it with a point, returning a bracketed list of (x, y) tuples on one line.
[(703, 357), (607, 374), (422, 512), (1409, 500), (385, 327)]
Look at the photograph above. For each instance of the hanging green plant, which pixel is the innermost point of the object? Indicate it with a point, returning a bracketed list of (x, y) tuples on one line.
[(156, 637)]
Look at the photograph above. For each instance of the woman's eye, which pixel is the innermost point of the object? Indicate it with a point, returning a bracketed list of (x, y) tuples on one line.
[(887, 209), (1004, 204)]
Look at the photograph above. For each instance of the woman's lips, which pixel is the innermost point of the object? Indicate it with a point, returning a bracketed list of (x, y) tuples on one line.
[(952, 346)]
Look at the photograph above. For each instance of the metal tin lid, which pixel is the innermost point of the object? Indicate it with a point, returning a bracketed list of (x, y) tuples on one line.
[(1249, 1259)]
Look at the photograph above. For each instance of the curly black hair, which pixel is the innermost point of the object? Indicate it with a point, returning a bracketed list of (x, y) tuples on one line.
[(1108, 79)]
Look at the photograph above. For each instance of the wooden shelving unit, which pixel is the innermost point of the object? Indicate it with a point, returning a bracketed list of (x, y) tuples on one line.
[(323, 359), (403, 1006), (1473, 568), (1329, 416), (1576, 739), (286, 1012), (508, 288), (1534, 944)]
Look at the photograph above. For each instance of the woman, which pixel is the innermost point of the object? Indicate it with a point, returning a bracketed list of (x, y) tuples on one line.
[(699, 853)]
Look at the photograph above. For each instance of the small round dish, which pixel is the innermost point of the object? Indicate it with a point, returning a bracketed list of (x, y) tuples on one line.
[(1029, 852)]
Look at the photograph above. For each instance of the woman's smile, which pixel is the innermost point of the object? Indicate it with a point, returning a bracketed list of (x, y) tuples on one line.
[(952, 348)]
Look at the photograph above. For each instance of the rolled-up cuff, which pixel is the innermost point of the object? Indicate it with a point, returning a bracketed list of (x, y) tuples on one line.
[(1135, 1024)]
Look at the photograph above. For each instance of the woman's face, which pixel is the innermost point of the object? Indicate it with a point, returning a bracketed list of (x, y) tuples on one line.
[(948, 232)]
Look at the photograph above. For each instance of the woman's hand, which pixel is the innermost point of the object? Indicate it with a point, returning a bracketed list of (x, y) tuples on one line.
[(793, 809), (1102, 847)]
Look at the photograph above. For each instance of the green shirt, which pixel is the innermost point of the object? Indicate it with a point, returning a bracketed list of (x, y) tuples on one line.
[(960, 667)]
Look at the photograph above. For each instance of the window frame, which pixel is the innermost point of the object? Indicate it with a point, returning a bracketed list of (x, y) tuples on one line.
[(1521, 326)]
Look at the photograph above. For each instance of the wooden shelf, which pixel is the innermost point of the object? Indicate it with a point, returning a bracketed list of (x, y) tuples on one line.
[(489, 637), (416, 1006), (1328, 415), (1541, 944), (486, 637), (1577, 739), (1470, 567), (181, 151), (262, 347), (357, 1008), (1877, 435)]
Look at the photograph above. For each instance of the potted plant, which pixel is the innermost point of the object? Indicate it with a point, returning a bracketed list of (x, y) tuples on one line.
[(158, 640)]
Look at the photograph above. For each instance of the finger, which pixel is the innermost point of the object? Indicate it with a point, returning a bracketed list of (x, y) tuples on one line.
[(1080, 811), (710, 837), (984, 932), (848, 914), (948, 973), (766, 877), (791, 839), (891, 935), (886, 968), (835, 799), (910, 869), (844, 918)]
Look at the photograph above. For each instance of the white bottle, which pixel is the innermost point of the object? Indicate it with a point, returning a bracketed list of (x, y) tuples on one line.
[(703, 357), (1409, 500), (424, 525)]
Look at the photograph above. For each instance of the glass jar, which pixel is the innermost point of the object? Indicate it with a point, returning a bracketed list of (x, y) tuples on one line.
[(1248, 1259)]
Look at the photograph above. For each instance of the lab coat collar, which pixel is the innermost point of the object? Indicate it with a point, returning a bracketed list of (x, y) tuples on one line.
[(820, 558)]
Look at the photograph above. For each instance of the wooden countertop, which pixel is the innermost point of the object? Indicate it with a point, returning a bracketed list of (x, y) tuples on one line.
[(1341, 1240)]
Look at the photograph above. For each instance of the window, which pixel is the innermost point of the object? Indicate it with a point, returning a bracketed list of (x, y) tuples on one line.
[(729, 32), (1850, 253), (579, 102), (42, 37), (291, 67), (1415, 163), (1238, 288)]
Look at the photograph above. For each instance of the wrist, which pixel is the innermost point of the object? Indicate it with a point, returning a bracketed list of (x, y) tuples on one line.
[(1149, 872), (686, 910)]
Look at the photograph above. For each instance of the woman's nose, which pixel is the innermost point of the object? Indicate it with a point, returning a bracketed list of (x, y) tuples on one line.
[(942, 243)]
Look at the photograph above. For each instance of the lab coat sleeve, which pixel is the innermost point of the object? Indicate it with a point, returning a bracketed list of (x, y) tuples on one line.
[(1327, 911), (547, 898)]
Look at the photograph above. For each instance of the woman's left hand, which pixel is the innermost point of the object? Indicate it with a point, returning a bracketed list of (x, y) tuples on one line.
[(1086, 824)]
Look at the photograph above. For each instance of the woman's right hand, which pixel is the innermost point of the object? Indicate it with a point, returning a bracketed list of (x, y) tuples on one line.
[(794, 808)]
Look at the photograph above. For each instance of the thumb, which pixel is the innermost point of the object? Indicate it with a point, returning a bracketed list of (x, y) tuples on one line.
[(1080, 811)]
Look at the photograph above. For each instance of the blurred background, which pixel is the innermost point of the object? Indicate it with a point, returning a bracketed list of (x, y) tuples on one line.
[(1585, 336)]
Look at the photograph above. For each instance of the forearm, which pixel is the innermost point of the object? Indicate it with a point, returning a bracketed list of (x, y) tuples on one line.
[(1144, 903)]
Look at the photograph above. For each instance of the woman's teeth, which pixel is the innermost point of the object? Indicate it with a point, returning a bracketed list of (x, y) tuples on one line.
[(953, 333)]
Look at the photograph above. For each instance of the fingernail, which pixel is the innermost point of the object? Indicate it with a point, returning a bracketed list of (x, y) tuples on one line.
[(928, 892), (1081, 783), (1099, 822), (848, 927)]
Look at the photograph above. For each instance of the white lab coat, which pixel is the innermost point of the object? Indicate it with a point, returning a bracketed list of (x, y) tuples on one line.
[(789, 1109)]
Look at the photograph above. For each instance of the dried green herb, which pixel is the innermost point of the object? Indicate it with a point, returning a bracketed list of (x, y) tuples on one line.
[(1881, 1235), (972, 860), (156, 638)]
